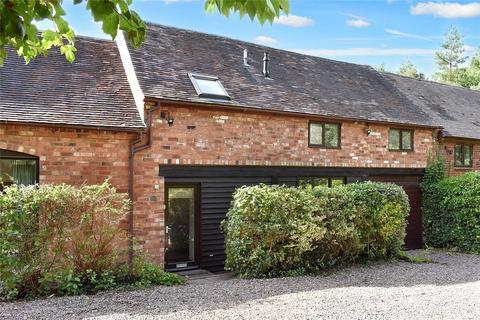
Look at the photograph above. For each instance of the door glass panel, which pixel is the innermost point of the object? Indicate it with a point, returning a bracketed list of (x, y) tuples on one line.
[(180, 225)]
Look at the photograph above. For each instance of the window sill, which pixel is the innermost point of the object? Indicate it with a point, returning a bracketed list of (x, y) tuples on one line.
[(323, 147), (406, 151)]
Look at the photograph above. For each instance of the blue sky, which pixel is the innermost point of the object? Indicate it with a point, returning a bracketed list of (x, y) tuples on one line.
[(365, 32)]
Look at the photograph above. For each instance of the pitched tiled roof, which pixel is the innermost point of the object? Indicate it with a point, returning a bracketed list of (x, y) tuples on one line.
[(299, 83), (93, 91), (456, 109)]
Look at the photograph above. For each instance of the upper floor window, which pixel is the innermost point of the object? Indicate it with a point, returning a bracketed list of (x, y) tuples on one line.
[(463, 155), (208, 86), (17, 168), (400, 140), (326, 135)]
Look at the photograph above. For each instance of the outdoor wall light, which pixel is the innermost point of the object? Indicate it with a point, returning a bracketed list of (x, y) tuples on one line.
[(168, 117), (448, 151), (368, 131)]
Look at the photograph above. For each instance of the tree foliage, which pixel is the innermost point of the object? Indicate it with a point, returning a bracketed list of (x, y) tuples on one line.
[(408, 69), (469, 77), (18, 18), (451, 57), (381, 67)]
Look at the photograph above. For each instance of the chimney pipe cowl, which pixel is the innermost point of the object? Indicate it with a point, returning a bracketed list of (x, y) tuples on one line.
[(245, 57), (266, 65)]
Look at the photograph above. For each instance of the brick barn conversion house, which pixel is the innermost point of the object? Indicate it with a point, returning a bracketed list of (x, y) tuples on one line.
[(187, 118)]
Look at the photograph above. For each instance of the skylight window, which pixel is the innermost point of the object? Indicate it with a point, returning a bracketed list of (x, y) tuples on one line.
[(208, 86)]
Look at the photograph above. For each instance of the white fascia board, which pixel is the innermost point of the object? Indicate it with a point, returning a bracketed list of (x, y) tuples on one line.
[(130, 72)]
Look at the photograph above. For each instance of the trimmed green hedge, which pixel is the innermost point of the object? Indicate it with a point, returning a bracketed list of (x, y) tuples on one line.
[(451, 210), (278, 230)]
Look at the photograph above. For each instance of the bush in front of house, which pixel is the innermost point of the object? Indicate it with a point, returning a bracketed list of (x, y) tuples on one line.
[(451, 209), (64, 240), (279, 230)]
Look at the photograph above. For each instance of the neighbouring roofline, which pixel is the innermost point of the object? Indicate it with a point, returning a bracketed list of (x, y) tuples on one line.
[(239, 107), (448, 85), (450, 137)]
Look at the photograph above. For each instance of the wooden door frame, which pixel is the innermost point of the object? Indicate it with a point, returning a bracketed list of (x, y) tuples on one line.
[(197, 217)]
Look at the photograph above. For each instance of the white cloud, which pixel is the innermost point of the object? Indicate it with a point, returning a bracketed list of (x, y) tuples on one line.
[(469, 49), (448, 10), (357, 23), (406, 35), (265, 40), (294, 21), (349, 52)]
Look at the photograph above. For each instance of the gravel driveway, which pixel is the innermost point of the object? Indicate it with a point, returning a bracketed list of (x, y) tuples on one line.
[(446, 289)]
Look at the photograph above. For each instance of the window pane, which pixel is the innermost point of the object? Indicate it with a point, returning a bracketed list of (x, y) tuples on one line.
[(210, 87), (394, 139), (468, 155), (316, 133), (407, 140), (337, 182), (313, 182), (18, 171), (458, 155), (331, 135)]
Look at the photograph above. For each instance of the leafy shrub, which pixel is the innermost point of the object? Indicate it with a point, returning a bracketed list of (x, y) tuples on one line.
[(60, 239), (279, 230), (437, 222), (452, 212), (381, 212), (146, 274)]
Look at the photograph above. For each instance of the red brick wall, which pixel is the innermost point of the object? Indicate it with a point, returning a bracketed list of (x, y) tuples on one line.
[(448, 152), (221, 137), (73, 156)]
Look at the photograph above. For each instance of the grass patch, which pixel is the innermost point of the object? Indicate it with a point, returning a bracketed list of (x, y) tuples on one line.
[(413, 259)]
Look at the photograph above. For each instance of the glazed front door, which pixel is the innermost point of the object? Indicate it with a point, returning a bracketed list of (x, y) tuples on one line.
[(181, 226)]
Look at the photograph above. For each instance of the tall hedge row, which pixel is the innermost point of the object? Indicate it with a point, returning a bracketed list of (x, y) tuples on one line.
[(274, 230), (451, 209)]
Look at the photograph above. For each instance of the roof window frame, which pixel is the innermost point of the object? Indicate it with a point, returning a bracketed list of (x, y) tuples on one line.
[(194, 76)]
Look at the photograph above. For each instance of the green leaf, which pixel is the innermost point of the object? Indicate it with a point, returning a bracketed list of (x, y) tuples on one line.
[(49, 35), (110, 25), (3, 56), (62, 25)]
